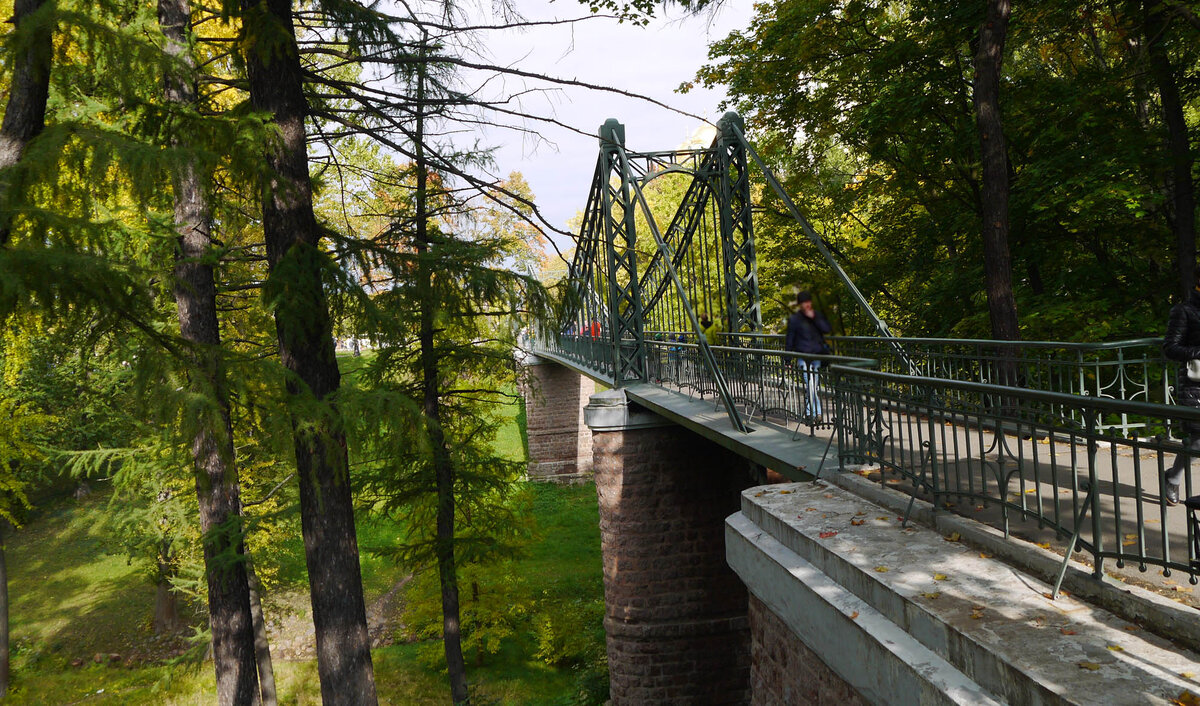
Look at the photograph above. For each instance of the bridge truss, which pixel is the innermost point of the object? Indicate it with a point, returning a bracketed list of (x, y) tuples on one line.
[(633, 282)]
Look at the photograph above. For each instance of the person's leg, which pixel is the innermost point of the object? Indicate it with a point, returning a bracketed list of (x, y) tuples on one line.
[(814, 388), (1183, 460), (808, 380), (1174, 477), (800, 386)]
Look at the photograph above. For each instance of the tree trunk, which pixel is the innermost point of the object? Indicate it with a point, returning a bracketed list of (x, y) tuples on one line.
[(4, 648), (25, 115), (213, 459), (1180, 186), (997, 264), (262, 646), (166, 608), (443, 466), (305, 335)]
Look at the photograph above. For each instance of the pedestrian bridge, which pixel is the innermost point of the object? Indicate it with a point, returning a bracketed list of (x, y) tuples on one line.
[(1049, 454)]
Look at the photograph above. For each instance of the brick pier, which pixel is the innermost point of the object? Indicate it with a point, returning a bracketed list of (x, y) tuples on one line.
[(676, 614), (560, 444)]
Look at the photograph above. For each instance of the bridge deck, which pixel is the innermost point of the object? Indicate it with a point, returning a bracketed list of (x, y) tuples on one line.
[(770, 445)]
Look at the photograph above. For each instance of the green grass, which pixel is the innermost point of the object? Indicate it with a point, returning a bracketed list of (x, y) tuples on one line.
[(72, 599), (73, 593)]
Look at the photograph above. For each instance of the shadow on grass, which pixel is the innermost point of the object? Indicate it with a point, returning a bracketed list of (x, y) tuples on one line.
[(69, 594)]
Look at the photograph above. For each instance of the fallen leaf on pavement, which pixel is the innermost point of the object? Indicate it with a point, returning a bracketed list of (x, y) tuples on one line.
[(882, 569), (1089, 665), (827, 535)]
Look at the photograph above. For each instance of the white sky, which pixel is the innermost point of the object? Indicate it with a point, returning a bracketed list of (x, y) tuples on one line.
[(651, 61)]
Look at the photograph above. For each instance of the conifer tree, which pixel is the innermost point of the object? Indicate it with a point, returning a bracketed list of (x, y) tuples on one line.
[(215, 467), (295, 293), (25, 114)]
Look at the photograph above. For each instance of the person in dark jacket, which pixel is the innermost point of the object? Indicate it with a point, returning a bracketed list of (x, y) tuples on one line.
[(1182, 343), (806, 331)]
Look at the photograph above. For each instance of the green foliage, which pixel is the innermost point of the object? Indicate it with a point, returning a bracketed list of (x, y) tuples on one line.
[(494, 607), (865, 109)]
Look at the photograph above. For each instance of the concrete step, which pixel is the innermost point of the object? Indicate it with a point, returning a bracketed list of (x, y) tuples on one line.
[(906, 616)]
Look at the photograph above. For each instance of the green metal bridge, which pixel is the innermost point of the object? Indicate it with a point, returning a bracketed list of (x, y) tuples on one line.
[(1072, 448)]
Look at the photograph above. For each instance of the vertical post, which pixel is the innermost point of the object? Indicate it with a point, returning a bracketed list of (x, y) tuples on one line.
[(1093, 480), (625, 301), (738, 258)]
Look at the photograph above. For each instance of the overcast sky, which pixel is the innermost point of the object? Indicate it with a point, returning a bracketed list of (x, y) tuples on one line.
[(651, 61)]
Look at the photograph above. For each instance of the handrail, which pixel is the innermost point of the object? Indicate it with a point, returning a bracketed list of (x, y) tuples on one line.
[(1103, 404)]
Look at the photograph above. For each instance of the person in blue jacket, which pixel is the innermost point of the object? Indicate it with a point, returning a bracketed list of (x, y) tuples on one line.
[(806, 331)]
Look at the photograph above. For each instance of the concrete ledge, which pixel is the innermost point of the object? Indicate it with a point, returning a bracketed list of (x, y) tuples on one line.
[(610, 411), (1158, 614), (871, 653), (994, 625)]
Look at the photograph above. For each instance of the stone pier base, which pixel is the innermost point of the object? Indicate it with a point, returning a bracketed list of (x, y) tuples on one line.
[(676, 614), (560, 444)]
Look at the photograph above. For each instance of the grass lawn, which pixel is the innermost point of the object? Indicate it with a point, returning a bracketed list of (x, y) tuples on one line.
[(71, 600)]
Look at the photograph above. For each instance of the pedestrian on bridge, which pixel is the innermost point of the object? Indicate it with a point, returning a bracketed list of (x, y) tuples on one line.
[(806, 330), (1182, 343)]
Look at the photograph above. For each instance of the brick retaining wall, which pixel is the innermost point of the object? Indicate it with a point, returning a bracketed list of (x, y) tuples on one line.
[(785, 672)]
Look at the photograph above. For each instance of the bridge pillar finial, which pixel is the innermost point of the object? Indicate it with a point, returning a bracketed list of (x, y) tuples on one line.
[(730, 119), (612, 132)]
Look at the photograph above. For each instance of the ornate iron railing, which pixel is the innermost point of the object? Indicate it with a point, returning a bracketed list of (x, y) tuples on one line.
[(1078, 466), (1133, 370), (975, 446)]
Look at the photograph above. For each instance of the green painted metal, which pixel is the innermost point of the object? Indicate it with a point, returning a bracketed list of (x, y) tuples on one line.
[(624, 294), (706, 352), (743, 308)]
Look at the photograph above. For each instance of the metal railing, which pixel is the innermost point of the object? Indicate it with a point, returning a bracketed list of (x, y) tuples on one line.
[(975, 446), (770, 385), (1084, 467), (1133, 370)]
